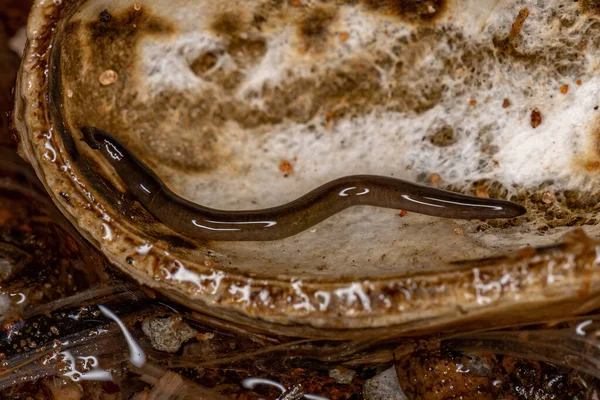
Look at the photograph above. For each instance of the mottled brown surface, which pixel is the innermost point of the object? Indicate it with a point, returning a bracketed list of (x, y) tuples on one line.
[(590, 6), (414, 11), (437, 375)]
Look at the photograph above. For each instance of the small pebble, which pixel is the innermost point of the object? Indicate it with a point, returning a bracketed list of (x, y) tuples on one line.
[(342, 375), (384, 386), (547, 198), (108, 77), (435, 178), (167, 334)]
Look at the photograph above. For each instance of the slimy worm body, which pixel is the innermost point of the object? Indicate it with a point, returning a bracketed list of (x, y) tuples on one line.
[(286, 220)]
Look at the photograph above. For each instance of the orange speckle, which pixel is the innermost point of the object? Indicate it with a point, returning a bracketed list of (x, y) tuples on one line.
[(579, 82), (343, 36), (472, 102), (297, 3), (329, 115), (450, 18), (505, 103), (286, 167), (403, 213), (536, 118), (564, 89), (435, 178), (592, 165)]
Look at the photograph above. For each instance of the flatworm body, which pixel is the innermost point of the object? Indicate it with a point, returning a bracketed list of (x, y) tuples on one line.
[(289, 219)]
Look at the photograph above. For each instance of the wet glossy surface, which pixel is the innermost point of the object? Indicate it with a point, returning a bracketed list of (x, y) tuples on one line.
[(53, 336), (289, 219), (416, 274)]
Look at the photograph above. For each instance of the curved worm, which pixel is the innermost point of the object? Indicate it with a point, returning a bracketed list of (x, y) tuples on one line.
[(285, 220)]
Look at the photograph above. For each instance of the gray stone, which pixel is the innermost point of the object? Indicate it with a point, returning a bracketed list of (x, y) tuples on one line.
[(384, 386), (167, 334)]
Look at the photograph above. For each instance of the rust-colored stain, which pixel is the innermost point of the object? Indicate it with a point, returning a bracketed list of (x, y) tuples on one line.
[(593, 165)]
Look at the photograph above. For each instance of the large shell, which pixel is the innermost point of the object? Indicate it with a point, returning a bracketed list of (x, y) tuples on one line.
[(251, 104)]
